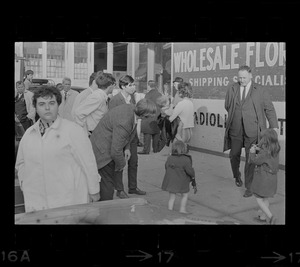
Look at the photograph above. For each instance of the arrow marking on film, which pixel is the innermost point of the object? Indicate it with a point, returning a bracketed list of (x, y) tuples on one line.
[(279, 257), (145, 256)]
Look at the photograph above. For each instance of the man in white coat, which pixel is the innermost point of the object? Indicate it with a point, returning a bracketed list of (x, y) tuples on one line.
[(55, 162)]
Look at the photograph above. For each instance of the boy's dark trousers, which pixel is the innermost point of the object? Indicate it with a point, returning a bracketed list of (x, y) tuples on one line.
[(107, 182), (147, 142), (132, 168)]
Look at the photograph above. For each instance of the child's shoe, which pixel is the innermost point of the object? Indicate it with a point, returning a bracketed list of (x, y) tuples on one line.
[(261, 216), (272, 220)]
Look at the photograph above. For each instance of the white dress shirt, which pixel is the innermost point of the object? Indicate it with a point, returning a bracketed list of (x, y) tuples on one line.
[(127, 99), (247, 87)]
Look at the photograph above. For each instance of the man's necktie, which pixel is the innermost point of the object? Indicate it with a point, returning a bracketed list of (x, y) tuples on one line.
[(66, 96), (132, 99), (244, 93)]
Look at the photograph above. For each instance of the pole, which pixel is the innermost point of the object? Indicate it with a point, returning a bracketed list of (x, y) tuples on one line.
[(172, 75), (133, 60), (110, 57)]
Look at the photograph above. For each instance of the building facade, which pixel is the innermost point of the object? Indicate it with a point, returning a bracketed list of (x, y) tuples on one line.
[(77, 60)]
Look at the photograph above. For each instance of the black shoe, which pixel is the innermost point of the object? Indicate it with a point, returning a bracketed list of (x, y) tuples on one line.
[(136, 191), (122, 194), (238, 180), (143, 153), (140, 144), (248, 193)]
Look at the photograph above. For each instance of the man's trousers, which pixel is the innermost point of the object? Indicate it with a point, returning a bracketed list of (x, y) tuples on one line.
[(237, 142)]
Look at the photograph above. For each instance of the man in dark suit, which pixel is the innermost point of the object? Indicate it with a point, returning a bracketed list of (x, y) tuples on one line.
[(24, 110), (149, 126), (248, 105), (126, 96)]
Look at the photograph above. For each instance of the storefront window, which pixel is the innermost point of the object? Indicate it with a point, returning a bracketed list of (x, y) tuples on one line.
[(33, 53), (80, 61), (141, 67), (55, 60), (160, 64)]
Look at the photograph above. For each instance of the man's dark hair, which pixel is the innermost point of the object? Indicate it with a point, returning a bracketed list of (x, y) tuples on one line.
[(92, 77), (125, 80), (104, 80), (19, 82), (27, 72), (145, 107), (152, 84), (46, 91), (245, 67)]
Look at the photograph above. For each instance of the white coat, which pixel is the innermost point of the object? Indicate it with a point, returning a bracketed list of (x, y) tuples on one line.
[(58, 168)]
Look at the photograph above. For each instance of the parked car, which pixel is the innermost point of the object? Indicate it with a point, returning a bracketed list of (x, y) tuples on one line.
[(79, 89), (36, 83)]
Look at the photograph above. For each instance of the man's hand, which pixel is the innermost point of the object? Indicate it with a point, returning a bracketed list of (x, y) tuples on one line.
[(94, 197), (127, 154), (253, 148)]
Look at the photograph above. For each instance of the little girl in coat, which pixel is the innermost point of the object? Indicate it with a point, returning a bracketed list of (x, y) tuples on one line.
[(264, 184), (179, 174)]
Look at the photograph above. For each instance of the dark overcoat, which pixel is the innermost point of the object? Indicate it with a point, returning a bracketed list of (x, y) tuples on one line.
[(179, 172), (264, 182), (263, 106), (149, 125)]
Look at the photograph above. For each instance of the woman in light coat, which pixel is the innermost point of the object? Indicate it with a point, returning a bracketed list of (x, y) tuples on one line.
[(55, 161)]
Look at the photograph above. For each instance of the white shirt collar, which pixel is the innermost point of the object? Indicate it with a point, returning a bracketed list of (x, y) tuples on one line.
[(135, 118), (247, 86), (127, 99)]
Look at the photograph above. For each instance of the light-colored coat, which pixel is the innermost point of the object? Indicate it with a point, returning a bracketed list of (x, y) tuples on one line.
[(89, 112), (58, 168), (65, 108), (79, 99), (185, 111)]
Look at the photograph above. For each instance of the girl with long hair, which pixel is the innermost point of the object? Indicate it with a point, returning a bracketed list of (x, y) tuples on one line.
[(266, 158)]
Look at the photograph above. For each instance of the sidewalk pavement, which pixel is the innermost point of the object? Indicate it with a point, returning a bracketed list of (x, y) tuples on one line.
[(218, 200)]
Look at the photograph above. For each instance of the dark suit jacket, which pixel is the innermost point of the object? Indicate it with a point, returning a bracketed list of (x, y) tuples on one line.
[(112, 134), (149, 125), (116, 100), (263, 106)]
